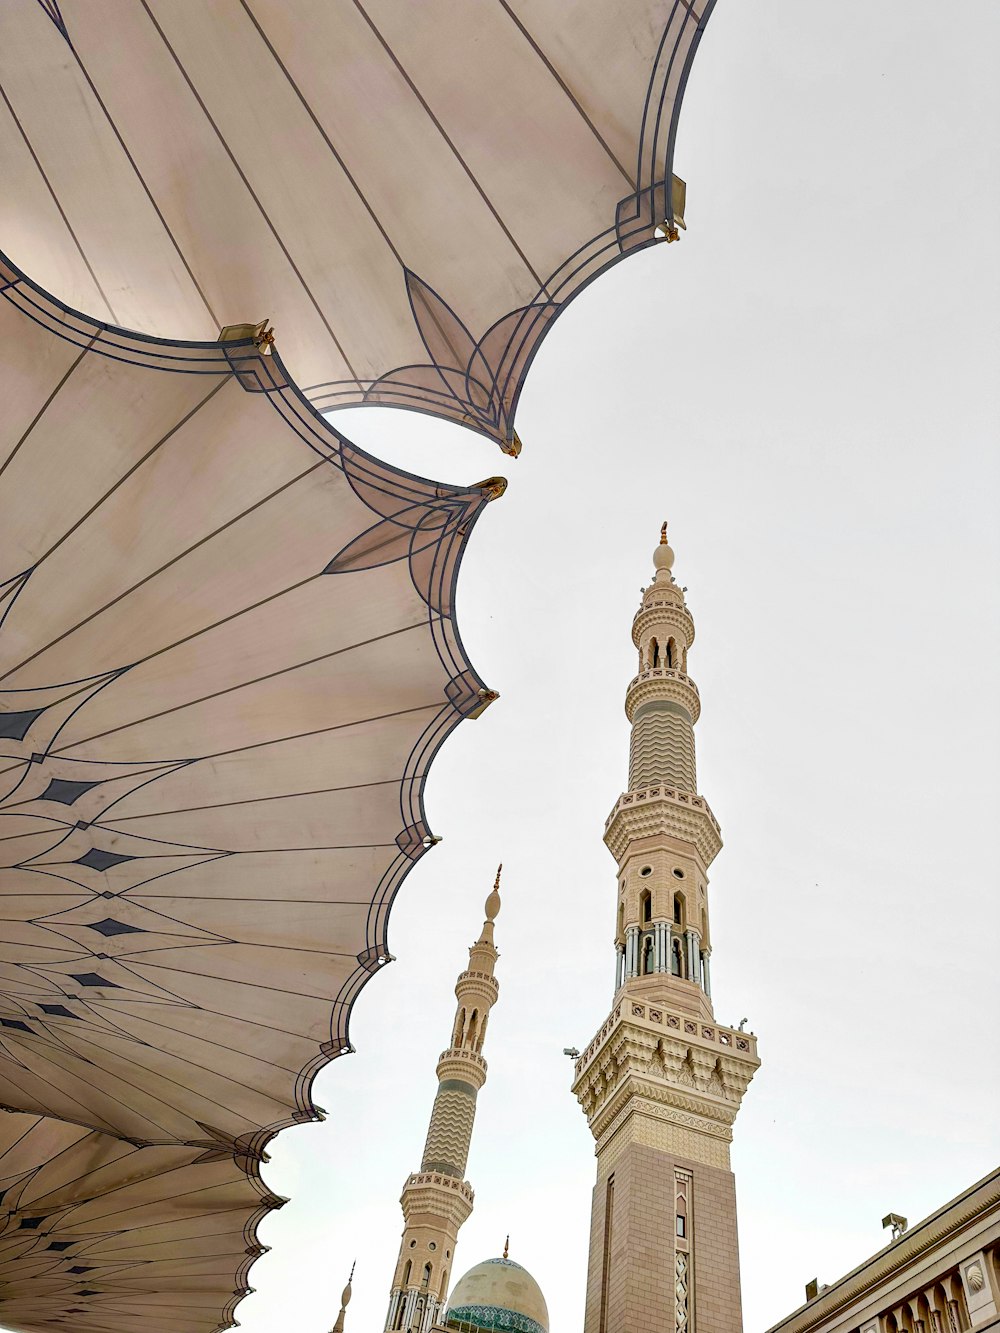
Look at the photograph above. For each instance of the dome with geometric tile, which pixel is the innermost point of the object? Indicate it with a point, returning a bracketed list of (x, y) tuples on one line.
[(496, 1295)]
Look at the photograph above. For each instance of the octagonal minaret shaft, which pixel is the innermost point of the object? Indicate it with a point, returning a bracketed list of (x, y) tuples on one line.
[(662, 1082), (438, 1198), (662, 834)]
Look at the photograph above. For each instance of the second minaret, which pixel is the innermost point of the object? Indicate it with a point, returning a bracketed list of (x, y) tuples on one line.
[(437, 1199)]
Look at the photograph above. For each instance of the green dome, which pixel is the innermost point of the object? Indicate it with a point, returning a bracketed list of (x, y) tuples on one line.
[(497, 1296)]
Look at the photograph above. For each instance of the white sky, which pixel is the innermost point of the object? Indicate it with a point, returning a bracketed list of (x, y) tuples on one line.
[(806, 387)]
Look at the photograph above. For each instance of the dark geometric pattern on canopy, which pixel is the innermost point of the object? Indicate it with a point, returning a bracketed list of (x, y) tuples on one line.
[(411, 192), (227, 657), (100, 1236)]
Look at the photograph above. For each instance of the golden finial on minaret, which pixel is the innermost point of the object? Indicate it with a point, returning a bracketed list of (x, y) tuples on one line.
[(506, 1248), (663, 558), (493, 901), (345, 1300)]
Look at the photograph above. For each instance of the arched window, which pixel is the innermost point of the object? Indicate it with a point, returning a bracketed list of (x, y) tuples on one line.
[(426, 1282), (647, 955), (473, 1028), (671, 653), (646, 908), (459, 1028), (407, 1271), (621, 921), (676, 959), (678, 910), (654, 653)]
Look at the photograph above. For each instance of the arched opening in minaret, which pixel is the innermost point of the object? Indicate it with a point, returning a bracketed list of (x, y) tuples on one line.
[(473, 1029), (621, 922), (646, 959), (678, 909), (654, 653), (426, 1280), (459, 1028), (671, 653), (676, 959), (646, 908)]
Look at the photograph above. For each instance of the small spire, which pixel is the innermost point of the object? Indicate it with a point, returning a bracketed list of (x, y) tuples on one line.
[(663, 558), (506, 1248), (493, 901), (345, 1300)]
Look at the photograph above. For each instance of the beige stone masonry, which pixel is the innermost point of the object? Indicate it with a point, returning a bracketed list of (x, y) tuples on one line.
[(437, 1199), (661, 1083)]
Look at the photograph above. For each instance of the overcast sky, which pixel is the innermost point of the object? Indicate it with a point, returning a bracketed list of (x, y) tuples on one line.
[(806, 387)]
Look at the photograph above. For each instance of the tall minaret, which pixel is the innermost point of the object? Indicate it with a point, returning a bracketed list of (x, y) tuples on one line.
[(438, 1199), (661, 1083)]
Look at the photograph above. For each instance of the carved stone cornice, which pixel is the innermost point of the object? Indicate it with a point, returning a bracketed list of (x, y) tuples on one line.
[(662, 683), (652, 1109), (692, 1068), (442, 1196), (663, 810)]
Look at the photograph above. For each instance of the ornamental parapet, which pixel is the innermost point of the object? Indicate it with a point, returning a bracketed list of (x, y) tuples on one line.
[(662, 683), (656, 1016), (466, 1065), (647, 1050), (657, 810), (477, 983), (660, 612), (433, 1192)]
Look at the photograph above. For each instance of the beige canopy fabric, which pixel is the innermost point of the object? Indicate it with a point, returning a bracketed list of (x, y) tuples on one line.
[(227, 657), (100, 1236), (411, 192)]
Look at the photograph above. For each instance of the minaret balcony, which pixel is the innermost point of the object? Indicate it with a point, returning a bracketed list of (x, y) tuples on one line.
[(462, 1064), (662, 683), (477, 985), (691, 1069), (663, 811), (661, 612), (435, 1195)]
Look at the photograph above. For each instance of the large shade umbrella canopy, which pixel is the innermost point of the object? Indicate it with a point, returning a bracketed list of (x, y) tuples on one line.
[(411, 192), (227, 657), (101, 1236)]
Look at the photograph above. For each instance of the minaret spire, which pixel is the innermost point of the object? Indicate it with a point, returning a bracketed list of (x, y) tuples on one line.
[(437, 1199), (345, 1300), (662, 1082)]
